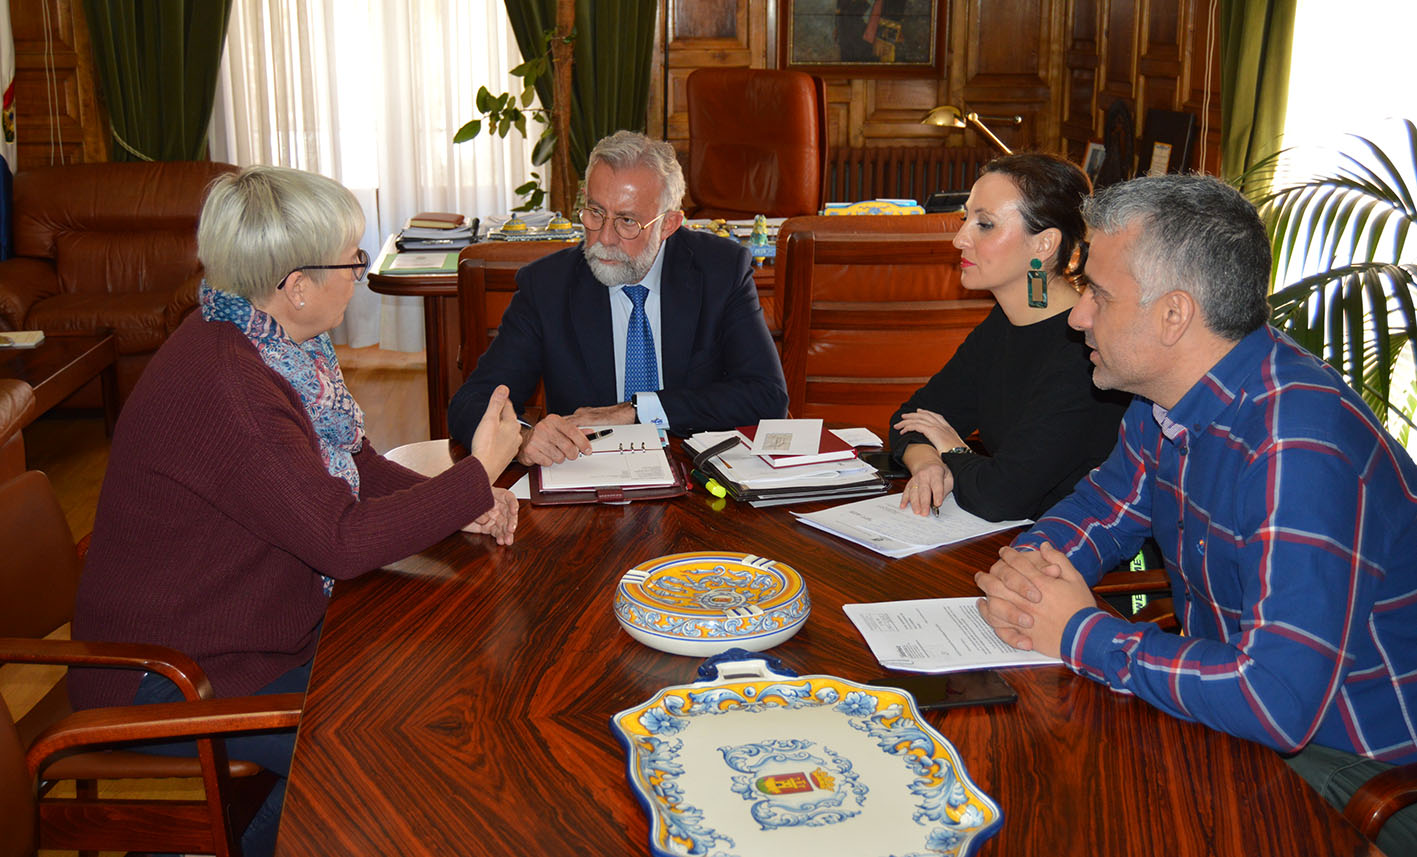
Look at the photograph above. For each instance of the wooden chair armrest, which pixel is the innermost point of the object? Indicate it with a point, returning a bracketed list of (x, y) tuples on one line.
[(165, 720), (1375, 802), (169, 663), (1127, 582)]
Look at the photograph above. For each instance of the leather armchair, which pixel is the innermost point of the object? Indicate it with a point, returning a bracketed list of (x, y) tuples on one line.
[(106, 246), (757, 142), (16, 411)]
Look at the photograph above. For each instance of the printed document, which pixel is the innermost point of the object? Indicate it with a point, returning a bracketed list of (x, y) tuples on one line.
[(935, 635), (881, 525)]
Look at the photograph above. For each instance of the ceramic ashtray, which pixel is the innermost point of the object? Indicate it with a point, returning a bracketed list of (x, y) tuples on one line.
[(704, 602)]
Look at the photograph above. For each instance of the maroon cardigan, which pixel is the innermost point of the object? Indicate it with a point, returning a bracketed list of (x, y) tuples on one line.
[(217, 518)]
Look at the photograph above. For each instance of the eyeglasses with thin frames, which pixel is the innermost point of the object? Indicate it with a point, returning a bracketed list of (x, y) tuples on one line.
[(359, 268), (625, 226)]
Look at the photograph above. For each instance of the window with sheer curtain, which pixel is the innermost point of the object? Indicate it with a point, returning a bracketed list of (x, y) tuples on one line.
[(370, 92)]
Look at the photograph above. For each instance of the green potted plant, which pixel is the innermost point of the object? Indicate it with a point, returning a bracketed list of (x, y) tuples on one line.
[(1357, 312)]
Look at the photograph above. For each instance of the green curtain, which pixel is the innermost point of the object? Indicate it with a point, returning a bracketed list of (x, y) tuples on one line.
[(157, 63), (1256, 41), (610, 80)]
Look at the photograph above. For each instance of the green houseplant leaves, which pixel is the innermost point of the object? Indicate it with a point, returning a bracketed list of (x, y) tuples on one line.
[(1359, 310)]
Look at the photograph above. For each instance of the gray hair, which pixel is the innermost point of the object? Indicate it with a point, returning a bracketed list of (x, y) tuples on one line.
[(1197, 234), (627, 149), (260, 224)]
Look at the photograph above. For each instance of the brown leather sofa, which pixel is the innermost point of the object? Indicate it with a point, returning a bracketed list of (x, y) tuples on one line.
[(106, 246), (16, 411)]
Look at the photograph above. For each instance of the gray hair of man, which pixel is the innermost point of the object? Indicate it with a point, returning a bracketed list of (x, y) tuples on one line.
[(627, 149), (1197, 234), (264, 223)]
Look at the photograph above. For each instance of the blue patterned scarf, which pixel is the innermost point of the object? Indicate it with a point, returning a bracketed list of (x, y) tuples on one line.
[(311, 368)]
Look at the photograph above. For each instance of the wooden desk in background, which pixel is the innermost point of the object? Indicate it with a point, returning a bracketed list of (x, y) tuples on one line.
[(460, 703), (441, 332)]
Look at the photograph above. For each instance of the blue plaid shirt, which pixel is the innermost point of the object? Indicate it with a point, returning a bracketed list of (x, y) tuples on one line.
[(1288, 521)]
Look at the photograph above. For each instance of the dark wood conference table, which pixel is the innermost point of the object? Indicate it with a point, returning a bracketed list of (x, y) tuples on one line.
[(460, 703)]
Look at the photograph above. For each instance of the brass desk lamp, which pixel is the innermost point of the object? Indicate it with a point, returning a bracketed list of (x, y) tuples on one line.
[(949, 116)]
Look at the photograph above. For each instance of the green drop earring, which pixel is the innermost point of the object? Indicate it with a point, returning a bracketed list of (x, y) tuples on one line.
[(1040, 277)]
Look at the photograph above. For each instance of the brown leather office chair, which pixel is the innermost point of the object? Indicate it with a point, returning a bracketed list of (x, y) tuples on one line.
[(110, 245), (16, 411), (38, 582), (868, 318), (757, 142)]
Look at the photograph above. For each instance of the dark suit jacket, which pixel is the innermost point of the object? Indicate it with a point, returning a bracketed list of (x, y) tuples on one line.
[(720, 367)]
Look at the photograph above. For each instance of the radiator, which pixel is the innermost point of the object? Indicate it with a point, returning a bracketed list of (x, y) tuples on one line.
[(901, 172)]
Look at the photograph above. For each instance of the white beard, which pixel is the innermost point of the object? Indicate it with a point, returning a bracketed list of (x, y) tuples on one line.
[(612, 266)]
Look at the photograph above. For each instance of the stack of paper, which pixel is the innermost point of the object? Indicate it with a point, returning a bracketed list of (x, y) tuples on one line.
[(935, 635), (750, 462), (881, 525), (416, 238)]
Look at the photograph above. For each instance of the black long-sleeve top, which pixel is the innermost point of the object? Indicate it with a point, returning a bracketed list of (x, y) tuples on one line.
[(1028, 392)]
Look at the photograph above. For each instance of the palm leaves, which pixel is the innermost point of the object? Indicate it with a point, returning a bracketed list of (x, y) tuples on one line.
[(1357, 312)]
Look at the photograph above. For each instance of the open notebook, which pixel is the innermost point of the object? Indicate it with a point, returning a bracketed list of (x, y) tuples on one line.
[(630, 456)]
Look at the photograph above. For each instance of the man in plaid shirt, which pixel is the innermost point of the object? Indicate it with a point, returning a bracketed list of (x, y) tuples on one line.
[(1286, 514)]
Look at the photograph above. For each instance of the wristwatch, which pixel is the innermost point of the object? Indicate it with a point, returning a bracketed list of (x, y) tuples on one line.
[(635, 403), (957, 450)]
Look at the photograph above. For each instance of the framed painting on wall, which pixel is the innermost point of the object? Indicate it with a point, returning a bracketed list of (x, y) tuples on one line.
[(869, 38)]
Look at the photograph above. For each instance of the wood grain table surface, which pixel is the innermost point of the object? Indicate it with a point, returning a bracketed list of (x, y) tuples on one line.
[(460, 703)]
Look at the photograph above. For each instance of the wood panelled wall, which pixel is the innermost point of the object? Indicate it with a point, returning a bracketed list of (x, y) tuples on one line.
[(58, 118), (1057, 63)]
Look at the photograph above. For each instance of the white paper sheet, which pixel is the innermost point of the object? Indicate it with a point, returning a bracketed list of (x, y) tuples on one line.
[(858, 436), (935, 635), (881, 525), (643, 469)]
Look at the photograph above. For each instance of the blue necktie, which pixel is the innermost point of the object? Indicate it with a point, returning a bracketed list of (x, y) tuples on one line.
[(641, 373)]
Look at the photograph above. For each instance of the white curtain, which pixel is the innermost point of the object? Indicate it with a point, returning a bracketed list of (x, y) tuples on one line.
[(370, 92)]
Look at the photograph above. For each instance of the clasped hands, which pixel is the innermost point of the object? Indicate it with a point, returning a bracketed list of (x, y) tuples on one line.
[(1030, 595), (556, 438)]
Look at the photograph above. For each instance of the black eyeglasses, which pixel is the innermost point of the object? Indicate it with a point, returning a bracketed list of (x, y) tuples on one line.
[(359, 268), (626, 227)]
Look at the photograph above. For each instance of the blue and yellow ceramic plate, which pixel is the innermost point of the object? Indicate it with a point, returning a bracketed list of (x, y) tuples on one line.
[(704, 602), (756, 763)]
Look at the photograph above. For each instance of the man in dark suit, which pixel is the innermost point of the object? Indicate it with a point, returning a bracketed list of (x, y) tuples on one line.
[(643, 322)]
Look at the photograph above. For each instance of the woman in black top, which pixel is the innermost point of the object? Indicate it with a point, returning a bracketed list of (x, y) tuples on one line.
[(1023, 377)]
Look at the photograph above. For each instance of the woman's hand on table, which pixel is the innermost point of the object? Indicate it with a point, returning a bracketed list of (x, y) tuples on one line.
[(500, 521), (930, 480), (498, 435), (935, 428)]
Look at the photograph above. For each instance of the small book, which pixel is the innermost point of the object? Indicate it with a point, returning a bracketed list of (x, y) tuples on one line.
[(21, 339), (436, 220), (829, 448)]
